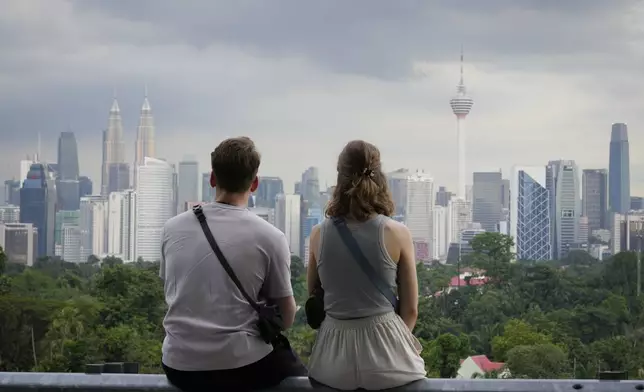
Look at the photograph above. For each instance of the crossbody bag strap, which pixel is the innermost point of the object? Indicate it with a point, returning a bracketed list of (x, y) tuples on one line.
[(364, 264), (198, 211)]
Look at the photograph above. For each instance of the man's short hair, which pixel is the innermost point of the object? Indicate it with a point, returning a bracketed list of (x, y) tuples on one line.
[(235, 162)]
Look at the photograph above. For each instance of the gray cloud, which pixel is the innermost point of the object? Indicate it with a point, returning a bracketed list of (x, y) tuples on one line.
[(307, 76)]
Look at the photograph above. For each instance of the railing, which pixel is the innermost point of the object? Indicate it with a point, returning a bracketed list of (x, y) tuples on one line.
[(63, 382)]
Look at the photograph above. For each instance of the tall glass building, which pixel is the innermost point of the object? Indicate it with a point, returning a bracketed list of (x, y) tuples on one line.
[(562, 181), (530, 213), (267, 191), (188, 183), (619, 178), (67, 184), (34, 204)]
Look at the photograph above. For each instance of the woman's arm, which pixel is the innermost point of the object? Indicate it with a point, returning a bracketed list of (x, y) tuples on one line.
[(407, 280), (312, 278)]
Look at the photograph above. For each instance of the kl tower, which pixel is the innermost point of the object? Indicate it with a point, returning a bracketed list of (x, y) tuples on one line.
[(461, 105)]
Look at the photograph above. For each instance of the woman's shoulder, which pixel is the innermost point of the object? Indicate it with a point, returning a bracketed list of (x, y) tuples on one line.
[(396, 228)]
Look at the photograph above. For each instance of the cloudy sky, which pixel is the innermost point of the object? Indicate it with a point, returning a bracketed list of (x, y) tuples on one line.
[(304, 77)]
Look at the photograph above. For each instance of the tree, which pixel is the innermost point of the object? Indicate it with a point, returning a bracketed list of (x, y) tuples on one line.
[(517, 333), (3, 261), (539, 361), (445, 353), (493, 253)]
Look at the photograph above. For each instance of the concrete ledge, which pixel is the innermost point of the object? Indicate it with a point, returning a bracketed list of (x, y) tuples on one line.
[(62, 382)]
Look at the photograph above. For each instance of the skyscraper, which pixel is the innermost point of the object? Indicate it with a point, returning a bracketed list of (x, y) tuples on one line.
[(188, 183), (461, 105), (530, 214), (67, 184), (85, 186), (594, 206), (145, 146), (562, 181), (207, 192), (419, 214), (397, 181), (619, 178), (310, 186), (287, 219), (155, 204), (267, 191), (113, 147), (34, 206), (487, 203)]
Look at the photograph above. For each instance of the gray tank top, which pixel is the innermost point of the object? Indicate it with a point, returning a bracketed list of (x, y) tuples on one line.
[(348, 292)]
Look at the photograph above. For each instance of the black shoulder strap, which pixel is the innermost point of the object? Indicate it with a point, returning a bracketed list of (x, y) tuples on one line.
[(198, 211), (364, 264)]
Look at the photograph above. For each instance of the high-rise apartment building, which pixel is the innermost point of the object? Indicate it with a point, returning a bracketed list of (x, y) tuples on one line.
[(487, 199), (562, 179), (113, 150), (419, 217), (145, 144), (530, 214), (287, 219), (267, 191), (155, 204), (594, 198), (188, 183), (619, 178)]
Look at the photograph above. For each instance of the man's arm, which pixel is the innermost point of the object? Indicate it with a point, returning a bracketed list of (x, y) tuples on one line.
[(278, 282)]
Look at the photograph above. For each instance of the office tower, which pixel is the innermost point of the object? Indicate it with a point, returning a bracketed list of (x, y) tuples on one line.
[(287, 219), (93, 226), (9, 214), (71, 250), (84, 186), (63, 219), (419, 214), (619, 178), (310, 186), (12, 192), (25, 165), (155, 204), (443, 196), (631, 228), (487, 193), (118, 177), (397, 182), (584, 233), (114, 223), (439, 232), (594, 200), (459, 212), (530, 214), (505, 193), (128, 225), (207, 192), (313, 216), (467, 235), (461, 105), (19, 242), (562, 179), (297, 188), (267, 191), (145, 146), (35, 207), (188, 186), (637, 203), (67, 184), (113, 148)]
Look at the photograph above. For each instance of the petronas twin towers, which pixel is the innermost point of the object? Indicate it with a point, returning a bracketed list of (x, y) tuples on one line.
[(115, 169)]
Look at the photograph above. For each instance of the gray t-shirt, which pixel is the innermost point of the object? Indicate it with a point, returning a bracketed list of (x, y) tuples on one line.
[(209, 325)]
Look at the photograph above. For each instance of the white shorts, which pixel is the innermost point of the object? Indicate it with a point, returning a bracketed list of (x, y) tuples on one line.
[(372, 353)]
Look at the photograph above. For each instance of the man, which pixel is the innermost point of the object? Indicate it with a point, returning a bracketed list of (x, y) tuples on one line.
[(212, 340)]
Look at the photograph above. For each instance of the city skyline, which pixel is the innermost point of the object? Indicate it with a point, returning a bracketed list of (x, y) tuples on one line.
[(278, 91)]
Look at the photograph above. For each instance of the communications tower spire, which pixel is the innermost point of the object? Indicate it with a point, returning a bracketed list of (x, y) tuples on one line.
[(461, 105)]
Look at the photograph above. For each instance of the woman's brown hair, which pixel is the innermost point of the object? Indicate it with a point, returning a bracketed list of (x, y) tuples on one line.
[(361, 189)]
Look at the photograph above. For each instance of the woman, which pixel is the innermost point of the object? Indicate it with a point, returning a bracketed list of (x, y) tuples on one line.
[(363, 342)]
